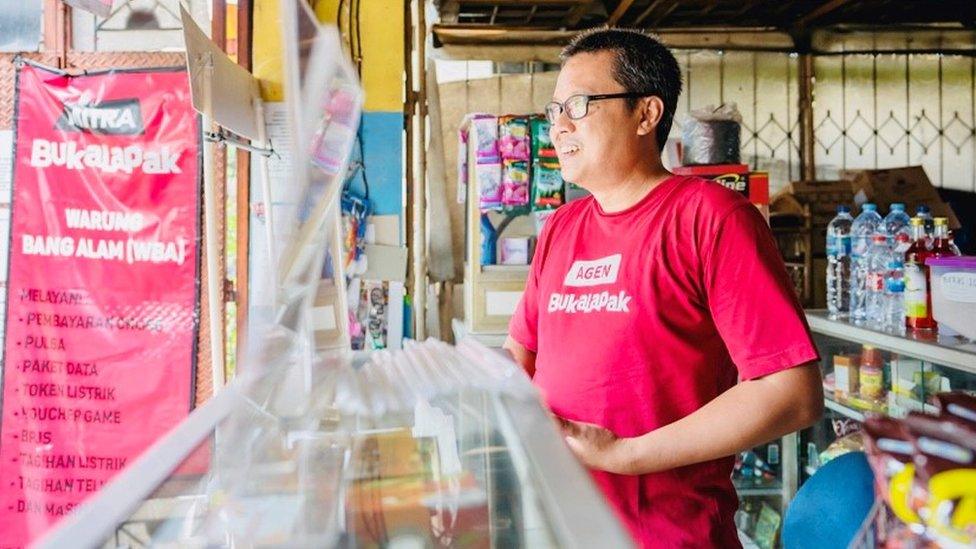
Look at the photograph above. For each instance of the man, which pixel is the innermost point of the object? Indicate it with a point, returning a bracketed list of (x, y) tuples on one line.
[(650, 299)]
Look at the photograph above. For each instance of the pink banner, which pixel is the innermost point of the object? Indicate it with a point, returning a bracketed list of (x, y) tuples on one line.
[(103, 286)]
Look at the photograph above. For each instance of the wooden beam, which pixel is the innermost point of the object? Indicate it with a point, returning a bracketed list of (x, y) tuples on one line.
[(657, 6), (820, 12), (577, 13), (619, 12), (56, 29), (808, 170), (747, 7), (218, 23), (244, 27)]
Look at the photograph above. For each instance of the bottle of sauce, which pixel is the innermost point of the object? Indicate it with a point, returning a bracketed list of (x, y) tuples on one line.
[(918, 301), (942, 244), (872, 374)]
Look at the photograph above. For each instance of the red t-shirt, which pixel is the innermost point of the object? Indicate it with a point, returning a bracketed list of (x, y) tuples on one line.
[(638, 318)]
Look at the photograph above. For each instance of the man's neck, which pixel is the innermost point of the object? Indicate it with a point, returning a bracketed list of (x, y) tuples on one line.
[(627, 191)]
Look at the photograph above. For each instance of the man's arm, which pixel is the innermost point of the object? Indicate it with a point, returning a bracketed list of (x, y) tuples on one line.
[(522, 356), (747, 415)]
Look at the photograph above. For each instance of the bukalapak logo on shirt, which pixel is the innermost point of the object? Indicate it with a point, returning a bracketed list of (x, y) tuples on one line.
[(584, 274), (116, 117)]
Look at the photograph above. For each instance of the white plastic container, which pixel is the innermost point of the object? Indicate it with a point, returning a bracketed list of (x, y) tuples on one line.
[(953, 286)]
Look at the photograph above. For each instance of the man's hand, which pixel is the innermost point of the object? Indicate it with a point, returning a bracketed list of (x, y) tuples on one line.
[(596, 447), (750, 413)]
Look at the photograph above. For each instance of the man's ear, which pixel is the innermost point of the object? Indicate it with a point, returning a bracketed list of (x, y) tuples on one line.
[(651, 110)]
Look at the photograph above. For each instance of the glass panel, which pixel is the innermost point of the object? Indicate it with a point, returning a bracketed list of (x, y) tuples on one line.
[(20, 25), (446, 474)]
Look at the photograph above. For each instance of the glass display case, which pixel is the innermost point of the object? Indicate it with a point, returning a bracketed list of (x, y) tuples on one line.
[(433, 446), (874, 371)]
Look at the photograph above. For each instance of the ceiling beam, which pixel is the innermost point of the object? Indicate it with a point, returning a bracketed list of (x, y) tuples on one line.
[(820, 12), (577, 13), (660, 9), (622, 8)]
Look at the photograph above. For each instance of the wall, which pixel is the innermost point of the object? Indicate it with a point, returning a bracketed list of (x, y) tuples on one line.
[(382, 78)]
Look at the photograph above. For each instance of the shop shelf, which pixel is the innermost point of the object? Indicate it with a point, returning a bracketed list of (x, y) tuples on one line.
[(952, 351), (847, 411), (750, 487)]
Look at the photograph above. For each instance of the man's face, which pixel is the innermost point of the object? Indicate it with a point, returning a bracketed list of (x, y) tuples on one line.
[(596, 148)]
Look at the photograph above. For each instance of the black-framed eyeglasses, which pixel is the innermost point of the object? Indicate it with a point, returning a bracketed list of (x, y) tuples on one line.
[(577, 106)]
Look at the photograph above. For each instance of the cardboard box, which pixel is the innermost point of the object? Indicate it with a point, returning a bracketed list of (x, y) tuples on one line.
[(733, 176), (822, 197), (907, 185), (846, 375)]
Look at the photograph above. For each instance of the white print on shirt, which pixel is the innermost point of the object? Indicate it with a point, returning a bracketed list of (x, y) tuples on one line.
[(589, 303), (593, 273)]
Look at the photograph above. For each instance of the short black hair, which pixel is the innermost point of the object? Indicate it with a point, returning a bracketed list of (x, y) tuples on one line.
[(642, 64)]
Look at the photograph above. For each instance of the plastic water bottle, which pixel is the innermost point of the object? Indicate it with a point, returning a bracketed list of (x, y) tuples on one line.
[(863, 228), (839, 263), (894, 297), (878, 257), (895, 226)]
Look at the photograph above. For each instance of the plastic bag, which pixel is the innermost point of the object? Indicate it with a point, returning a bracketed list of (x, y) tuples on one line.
[(711, 135)]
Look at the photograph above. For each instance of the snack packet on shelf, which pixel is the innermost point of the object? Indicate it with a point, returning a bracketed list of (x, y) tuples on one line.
[(547, 186), (515, 184), (489, 181), (542, 147), (513, 137), (889, 449), (945, 462)]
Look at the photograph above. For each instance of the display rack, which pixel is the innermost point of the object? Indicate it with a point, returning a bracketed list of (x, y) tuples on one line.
[(949, 359), (950, 351)]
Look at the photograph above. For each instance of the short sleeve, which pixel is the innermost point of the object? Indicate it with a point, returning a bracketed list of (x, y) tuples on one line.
[(751, 297), (524, 325)]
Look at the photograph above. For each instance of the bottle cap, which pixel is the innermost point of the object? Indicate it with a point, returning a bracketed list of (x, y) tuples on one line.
[(941, 220), (916, 221), (897, 207), (922, 209), (869, 207), (896, 264), (895, 285), (843, 209)]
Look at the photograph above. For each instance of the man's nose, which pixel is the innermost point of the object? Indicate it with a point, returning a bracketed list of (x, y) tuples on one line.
[(563, 123)]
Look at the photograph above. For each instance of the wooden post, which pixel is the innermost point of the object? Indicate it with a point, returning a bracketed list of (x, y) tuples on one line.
[(808, 170), (244, 9)]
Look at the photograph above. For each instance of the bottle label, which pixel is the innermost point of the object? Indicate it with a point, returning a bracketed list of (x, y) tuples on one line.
[(859, 246), (872, 383), (875, 282), (916, 291), (832, 250)]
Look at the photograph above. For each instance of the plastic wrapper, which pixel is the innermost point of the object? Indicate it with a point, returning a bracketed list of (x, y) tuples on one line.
[(513, 138), (925, 471), (490, 189), (515, 185), (542, 147), (853, 442), (547, 186), (711, 135)]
